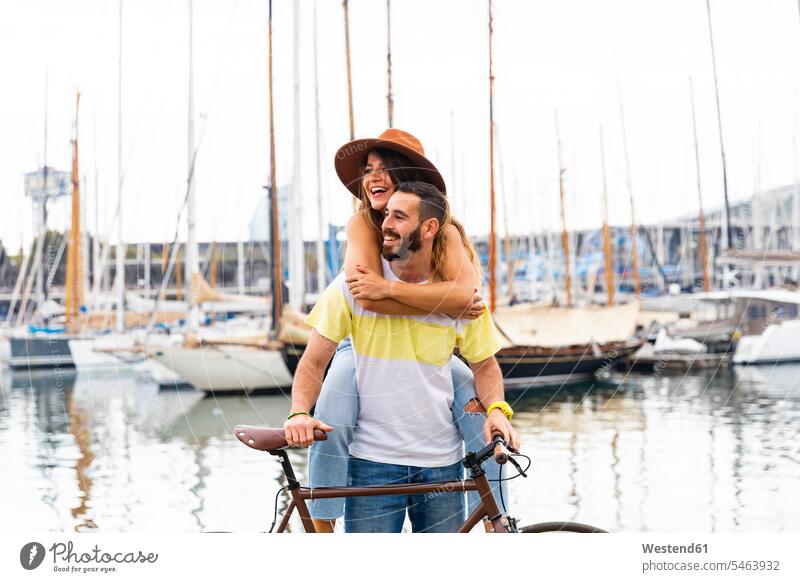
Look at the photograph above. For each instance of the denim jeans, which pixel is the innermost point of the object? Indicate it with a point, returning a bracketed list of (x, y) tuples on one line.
[(338, 406), (429, 513)]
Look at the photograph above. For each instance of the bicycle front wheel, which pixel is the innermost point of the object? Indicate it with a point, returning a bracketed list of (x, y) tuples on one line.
[(560, 527)]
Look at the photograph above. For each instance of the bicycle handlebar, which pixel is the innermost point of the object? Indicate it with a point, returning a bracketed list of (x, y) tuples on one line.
[(498, 449)]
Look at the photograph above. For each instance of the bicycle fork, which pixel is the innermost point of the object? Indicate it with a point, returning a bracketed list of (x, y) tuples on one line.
[(488, 506)]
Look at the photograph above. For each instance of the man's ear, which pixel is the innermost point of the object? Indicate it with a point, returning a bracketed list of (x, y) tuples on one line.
[(431, 227)]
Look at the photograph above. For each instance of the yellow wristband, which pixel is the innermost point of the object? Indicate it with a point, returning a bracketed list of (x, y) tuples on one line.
[(503, 407)]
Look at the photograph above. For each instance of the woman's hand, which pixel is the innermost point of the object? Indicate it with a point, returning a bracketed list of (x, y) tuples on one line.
[(367, 284), (475, 310), (477, 307)]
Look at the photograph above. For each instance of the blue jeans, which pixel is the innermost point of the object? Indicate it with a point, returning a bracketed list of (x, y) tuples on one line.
[(338, 406), (429, 513)]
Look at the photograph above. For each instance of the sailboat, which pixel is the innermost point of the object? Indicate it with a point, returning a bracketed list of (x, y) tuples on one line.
[(63, 341), (547, 345), (235, 357), (779, 342), (48, 346)]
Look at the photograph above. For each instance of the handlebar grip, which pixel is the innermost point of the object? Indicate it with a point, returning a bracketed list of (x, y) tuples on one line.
[(500, 450)]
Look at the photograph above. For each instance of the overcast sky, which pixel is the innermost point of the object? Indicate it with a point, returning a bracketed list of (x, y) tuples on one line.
[(548, 55)]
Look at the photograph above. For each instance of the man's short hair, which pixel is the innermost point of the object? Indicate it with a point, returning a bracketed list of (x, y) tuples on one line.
[(432, 203)]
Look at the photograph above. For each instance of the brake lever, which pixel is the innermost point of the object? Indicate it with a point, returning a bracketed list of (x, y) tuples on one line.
[(514, 462)]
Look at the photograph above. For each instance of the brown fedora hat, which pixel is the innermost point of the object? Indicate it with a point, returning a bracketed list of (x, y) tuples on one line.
[(352, 157)]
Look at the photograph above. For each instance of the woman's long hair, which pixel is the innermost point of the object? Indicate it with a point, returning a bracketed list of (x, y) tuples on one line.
[(400, 170)]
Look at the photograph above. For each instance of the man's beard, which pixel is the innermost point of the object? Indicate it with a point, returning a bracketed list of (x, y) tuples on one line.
[(406, 246)]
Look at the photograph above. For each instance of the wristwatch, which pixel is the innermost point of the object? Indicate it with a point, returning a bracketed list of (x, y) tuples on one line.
[(503, 407)]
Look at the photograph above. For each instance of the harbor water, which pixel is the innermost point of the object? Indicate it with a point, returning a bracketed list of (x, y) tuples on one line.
[(716, 451)]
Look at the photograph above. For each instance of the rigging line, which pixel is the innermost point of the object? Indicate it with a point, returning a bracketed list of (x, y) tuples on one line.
[(6, 259), (51, 273), (54, 265)]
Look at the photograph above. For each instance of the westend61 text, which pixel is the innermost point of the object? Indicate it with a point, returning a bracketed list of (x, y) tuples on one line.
[(670, 549), (97, 556)]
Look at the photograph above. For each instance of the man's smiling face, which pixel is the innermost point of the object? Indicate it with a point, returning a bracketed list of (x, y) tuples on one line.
[(401, 227)]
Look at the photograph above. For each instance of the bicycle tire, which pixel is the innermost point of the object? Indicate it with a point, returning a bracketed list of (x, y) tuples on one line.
[(560, 526)]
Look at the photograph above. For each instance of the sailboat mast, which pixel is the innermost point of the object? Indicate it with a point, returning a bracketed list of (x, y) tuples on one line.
[(74, 283), (147, 269), (36, 274), (321, 270), (506, 228), (165, 252), (457, 209), (349, 81), (796, 201), (85, 248), (297, 263), (23, 267), (277, 285), (607, 250), (213, 268), (389, 99), (179, 288), (492, 249), (120, 258), (96, 241), (703, 242), (637, 287), (192, 251), (240, 265), (728, 229), (564, 235), (349, 74), (41, 288)]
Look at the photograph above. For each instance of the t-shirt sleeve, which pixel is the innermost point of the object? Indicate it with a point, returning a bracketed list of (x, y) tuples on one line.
[(478, 339), (332, 316)]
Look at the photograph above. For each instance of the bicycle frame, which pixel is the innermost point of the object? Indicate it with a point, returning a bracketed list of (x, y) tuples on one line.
[(478, 482)]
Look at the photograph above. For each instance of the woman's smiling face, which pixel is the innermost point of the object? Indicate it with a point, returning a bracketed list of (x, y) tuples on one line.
[(377, 182)]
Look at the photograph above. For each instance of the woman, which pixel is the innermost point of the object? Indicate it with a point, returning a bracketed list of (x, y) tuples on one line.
[(370, 168)]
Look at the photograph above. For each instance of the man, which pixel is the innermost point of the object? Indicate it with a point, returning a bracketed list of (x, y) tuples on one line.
[(405, 431)]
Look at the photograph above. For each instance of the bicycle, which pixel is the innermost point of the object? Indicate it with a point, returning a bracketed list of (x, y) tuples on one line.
[(273, 441)]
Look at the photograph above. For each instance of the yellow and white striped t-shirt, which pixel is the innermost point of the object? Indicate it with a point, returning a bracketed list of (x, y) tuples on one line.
[(403, 375)]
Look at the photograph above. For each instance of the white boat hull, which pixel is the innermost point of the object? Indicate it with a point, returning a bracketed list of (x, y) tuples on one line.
[(220, 369), (779, 343), (86, 356)]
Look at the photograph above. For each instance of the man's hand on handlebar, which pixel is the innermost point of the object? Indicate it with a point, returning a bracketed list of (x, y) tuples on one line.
[(497, 422), (299, 430)]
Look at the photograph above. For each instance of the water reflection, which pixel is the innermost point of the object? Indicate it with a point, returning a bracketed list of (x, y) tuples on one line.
[(701, 452), (79, 429), (707, 452)]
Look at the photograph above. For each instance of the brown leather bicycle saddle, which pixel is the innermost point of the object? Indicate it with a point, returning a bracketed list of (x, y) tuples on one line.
[(268, 439)]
